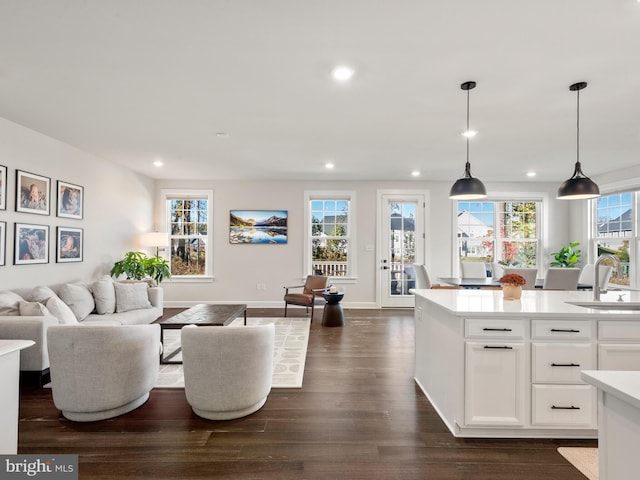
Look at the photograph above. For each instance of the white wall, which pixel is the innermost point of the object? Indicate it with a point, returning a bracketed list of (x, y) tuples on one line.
[(118, 205), (238, 268)]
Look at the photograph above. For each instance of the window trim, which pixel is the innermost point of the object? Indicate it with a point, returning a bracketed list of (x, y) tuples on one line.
[(182, 193), (350, 196), (538, 197)]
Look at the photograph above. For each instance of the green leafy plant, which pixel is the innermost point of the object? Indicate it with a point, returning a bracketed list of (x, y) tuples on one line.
[(567, 257), (138, 266)]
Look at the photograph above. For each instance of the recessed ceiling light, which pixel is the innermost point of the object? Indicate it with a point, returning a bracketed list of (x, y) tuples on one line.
[(469, 133), (158, 163), (329, 165), (342, 73), (222, 135), (415, 173), (533, 174)]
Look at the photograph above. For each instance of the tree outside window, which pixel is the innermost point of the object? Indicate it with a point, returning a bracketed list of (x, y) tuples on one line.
[(188, 227), (330, 237), (613, 231)]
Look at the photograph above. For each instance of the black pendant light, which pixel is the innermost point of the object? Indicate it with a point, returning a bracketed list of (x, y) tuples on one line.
[(467, 187), (579, 186)]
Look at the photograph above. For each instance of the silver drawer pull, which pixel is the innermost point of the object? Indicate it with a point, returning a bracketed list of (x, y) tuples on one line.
[(502, 347), (553, 407), (565, 364), (497, 330), (565, 330)]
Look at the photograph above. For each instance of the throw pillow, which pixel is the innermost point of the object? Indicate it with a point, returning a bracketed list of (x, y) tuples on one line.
[(9, 303), (131, 296), (32, 309), (78, 298), (61, 311), (42, 294), (104, 295)]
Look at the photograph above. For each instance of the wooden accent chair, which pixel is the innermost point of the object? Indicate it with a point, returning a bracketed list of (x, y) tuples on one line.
[(312, 288)]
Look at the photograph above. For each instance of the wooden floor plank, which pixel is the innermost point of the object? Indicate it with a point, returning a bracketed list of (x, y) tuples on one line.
[(358, 415)]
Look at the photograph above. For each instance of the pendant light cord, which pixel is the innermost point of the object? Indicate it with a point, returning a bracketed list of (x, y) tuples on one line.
[(467, 135), (578, 128)]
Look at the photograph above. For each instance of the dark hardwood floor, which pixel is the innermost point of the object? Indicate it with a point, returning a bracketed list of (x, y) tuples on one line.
[(358, 415)]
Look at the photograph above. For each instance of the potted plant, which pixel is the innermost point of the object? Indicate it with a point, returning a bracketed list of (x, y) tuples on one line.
[(567, 257), (512, 286), (138, 266)]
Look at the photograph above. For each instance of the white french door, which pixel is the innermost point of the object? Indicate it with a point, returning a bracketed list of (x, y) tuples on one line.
[(402, 241)]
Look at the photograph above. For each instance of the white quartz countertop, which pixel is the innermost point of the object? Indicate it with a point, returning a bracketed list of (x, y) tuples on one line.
[(8, 346), (534, 303), (622, 385)]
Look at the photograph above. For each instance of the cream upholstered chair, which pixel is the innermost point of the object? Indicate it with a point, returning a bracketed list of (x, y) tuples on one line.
[(588, 275), (312, 289), (529, 275), (102, 371), (473, 270), (227, 370), (561, 279), (422, 276)]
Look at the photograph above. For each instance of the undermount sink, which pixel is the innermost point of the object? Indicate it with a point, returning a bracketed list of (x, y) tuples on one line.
[(608, 305)]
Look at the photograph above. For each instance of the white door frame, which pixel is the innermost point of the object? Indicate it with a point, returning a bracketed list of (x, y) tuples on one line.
[(383, 196)]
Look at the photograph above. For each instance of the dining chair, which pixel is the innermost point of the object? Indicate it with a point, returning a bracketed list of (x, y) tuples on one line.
[(529, 275), (473, 270), (422, 276), (561, 279), (588, 275)]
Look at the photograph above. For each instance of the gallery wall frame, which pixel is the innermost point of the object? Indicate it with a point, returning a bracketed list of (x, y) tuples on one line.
[(70, 200), (258, 226), (32, 193), (3, 244), (69, 244), (3, 187), (31, 244)]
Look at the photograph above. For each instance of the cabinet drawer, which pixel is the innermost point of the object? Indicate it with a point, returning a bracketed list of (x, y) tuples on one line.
[(487, 328), (618, 330), (621, 356), (561, 362), (563, 405), (561, 329)]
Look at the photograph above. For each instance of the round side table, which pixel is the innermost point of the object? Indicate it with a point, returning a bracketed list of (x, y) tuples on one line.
[(333, 315)]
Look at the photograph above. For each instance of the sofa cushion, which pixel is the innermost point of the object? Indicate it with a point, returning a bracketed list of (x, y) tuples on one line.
[(61, 311), (104, 295), (42, 294), (78, 298), (9, 303), (131, 296), (32, 309)]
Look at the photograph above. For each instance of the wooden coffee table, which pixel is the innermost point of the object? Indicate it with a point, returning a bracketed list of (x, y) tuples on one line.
[(203, 314)]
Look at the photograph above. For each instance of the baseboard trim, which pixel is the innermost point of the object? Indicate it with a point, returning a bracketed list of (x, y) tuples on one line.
[(262, 304)]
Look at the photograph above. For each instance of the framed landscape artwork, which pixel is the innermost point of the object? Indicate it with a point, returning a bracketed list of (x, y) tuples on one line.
[(3, 243), (32, 193), (70, 200), (69, 245), (31, 244), (3, 187), (258, 226)]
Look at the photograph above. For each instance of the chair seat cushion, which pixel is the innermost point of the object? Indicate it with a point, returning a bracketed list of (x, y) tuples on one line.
[(299, 298)]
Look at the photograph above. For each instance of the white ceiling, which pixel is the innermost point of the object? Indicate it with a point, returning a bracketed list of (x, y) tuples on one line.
[(133, 81)]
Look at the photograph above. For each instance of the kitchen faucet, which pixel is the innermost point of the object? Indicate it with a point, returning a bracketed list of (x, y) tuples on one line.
[(596, 283)]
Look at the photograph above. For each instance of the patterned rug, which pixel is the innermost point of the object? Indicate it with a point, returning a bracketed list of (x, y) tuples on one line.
[(584, 459), (292, 337)]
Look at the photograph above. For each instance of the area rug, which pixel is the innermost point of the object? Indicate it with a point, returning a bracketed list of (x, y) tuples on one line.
[(292, 337), (584, 459)]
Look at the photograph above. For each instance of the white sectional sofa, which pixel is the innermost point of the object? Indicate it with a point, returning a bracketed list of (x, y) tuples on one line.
[(26, 313)]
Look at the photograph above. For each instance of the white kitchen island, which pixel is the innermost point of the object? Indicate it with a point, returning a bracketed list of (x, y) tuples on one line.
[(496, 368)]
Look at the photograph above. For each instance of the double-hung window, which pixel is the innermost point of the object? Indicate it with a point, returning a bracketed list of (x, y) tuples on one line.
[(330, 235), (614, 231), (504, 231), (188, 221)]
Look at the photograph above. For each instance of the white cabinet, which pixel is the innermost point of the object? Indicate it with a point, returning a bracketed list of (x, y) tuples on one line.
[(560, 350), (619, 347), (495, 383)]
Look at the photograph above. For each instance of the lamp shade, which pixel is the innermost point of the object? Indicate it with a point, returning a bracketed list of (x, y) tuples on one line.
[(155, 239), (578, 187), (468, 188)]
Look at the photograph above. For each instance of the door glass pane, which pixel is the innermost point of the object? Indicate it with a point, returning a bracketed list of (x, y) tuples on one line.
[(402, 246)]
